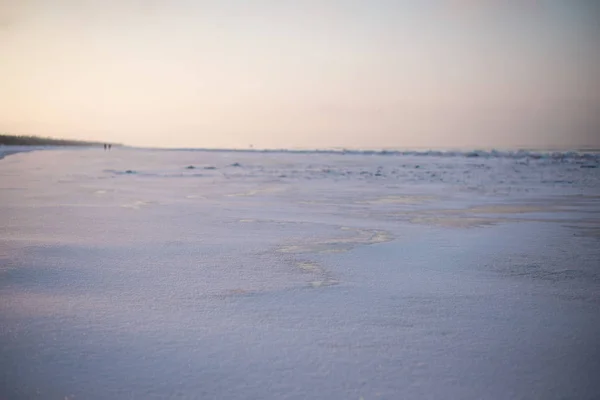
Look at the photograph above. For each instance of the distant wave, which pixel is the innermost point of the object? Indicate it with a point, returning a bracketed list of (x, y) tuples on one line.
[(591, 156)]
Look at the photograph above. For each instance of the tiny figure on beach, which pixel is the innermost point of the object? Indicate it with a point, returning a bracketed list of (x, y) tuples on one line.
[(104, 146), (109, 146)]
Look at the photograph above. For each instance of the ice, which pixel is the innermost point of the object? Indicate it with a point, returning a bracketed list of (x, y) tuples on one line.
[(339, 274), (8, 150)]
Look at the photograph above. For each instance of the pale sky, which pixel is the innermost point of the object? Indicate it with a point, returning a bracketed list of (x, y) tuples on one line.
[(304, 73)]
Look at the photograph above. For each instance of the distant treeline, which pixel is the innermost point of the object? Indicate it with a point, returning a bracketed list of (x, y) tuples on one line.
[(16, 140)]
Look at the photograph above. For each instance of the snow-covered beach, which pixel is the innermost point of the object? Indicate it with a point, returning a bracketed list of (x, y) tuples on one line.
[(246, 275)]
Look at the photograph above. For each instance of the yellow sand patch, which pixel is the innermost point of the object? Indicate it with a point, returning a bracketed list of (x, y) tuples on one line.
[(136, 205), (324, 283), (455, 222), (309, 267), (340, 245), (512, 209), (402, 199)]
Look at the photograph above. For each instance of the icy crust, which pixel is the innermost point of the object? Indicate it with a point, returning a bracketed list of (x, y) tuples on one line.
[(565, 156), (503, 176), (291, 276)]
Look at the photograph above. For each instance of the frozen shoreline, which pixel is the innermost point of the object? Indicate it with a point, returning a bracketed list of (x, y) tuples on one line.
[(6, 151), (129, 274)]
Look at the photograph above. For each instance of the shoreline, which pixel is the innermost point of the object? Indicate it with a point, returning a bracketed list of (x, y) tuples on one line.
[(9, 150), (6, 151)]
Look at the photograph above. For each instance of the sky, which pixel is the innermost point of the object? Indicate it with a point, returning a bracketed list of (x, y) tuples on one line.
[(304, 73)]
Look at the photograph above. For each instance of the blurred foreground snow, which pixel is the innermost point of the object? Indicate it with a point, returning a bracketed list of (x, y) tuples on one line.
[(185, 274)]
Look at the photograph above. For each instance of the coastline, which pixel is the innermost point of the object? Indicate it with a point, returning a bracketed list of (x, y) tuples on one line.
[(6, 151)]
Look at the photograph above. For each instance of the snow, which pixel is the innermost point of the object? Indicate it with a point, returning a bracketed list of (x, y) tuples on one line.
[(127, 274)]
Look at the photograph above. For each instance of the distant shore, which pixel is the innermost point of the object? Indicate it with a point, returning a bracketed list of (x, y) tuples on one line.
[(9, 150), (18, 140)]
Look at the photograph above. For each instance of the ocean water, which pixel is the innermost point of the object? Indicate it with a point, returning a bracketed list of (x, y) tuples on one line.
[(256, 275)]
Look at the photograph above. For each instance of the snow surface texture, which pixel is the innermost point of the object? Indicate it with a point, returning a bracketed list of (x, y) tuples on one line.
[(138, 274)]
